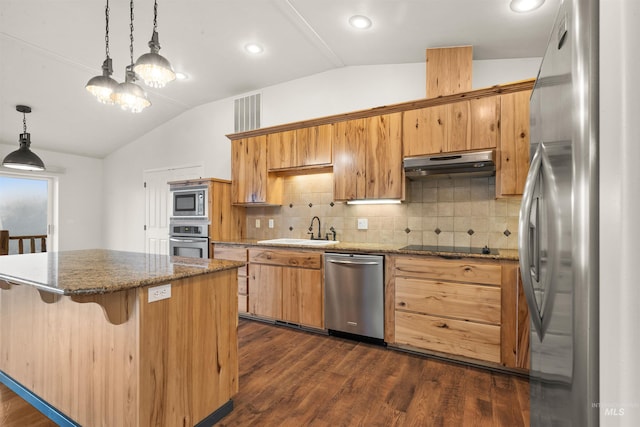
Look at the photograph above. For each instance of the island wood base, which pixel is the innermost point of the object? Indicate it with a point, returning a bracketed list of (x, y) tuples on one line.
[(174, 362)]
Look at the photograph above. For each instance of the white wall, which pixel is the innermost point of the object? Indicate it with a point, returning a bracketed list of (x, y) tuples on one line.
[(619, 207), (197, 137), (80, 208)]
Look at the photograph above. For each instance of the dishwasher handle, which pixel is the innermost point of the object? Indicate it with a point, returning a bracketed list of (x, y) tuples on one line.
[(335, 261)]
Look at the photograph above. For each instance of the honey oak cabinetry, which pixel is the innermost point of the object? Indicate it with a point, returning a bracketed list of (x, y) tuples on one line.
[(456, 307), (449, 306), (286, 285), (236, 253), (368, 158), (453, 127), (300, 148), (512, 160), (251, 182)]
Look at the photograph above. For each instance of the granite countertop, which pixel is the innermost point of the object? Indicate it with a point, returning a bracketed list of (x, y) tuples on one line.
[(388, 249), (98, 271)]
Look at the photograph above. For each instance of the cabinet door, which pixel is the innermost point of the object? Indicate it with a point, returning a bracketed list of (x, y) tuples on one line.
[(458, 130), (302, 296), (281, 149), (249, 170), (513, 153), (349, 146), (265, 291), (250, 182), (485, 123), (384, 157), (425, 130), (313, 146)]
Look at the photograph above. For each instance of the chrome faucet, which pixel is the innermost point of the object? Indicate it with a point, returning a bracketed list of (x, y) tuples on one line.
[(311, 229)]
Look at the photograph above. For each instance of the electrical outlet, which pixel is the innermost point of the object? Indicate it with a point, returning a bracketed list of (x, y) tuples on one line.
[(270, 223), (363, 224), (257, 223), (158, 293)]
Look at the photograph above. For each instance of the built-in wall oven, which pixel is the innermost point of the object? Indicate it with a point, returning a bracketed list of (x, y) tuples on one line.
[(189, 238)]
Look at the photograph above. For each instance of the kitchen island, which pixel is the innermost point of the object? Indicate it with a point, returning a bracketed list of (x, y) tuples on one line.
[(110, 338)]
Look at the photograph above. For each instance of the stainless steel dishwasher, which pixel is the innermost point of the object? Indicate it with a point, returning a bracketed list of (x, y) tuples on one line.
[(354, 294)]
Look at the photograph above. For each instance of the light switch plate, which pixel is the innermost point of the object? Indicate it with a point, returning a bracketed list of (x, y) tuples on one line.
[(270, 223), (158, 293), (363, 224), (257, 223)]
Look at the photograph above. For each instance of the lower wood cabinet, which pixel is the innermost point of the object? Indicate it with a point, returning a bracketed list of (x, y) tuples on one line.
[(236, 253), (467, 307), (286, 285)]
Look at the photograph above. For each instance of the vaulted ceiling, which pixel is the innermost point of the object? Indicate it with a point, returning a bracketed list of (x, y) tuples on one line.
[(49, 49)]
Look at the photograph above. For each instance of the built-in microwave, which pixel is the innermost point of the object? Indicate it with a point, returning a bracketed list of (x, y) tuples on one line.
[(190, 202)]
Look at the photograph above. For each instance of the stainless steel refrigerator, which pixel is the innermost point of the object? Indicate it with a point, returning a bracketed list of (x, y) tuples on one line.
[(558, 234)]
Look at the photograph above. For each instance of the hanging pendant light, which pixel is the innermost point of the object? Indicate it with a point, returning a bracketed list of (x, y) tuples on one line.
[(153, 68), (128, 95), (23, 158), (103, 86)]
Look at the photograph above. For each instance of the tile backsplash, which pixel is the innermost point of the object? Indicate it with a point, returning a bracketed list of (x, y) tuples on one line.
[(447, 212)]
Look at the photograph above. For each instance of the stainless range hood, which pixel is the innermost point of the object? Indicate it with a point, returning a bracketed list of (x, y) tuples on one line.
[(454, 165)]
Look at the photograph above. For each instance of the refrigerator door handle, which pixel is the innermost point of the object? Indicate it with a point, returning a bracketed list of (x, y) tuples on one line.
[(528, 240)]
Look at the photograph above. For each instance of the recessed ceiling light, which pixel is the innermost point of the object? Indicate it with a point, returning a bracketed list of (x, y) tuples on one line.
[(521, 6), (360, 22), (253, 48), (181, 76)]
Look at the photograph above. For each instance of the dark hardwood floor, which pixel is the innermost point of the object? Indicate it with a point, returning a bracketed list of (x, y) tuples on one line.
[(295, 378), (16, 412)]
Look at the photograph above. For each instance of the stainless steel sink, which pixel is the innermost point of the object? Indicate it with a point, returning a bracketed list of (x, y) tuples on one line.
[(298, 242)]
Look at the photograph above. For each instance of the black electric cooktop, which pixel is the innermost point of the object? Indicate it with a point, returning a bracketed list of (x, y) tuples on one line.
[(452, 249)]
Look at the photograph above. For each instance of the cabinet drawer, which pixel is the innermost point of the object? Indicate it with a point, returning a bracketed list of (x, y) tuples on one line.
[(242, 271), (243, 287), (243, 304), (462, 270), (469, 339), (477, 303), (286, 258), (230, 253)]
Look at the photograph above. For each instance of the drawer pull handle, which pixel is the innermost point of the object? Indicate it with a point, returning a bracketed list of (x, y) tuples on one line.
[(402, 303)]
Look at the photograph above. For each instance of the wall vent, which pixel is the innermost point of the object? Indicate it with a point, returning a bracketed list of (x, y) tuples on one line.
[(246, 113)]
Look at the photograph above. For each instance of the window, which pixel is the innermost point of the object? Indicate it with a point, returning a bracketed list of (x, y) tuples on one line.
[(25, 208)]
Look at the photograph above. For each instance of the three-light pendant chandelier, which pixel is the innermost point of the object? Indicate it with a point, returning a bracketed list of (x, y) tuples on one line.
[(151, 67)]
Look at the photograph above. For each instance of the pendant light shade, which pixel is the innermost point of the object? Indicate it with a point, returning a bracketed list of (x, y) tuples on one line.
[(23, 158), (129, 96), (154, 69), (102, 87)]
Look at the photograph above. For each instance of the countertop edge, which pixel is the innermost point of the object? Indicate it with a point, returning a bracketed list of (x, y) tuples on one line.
[(509, 255)]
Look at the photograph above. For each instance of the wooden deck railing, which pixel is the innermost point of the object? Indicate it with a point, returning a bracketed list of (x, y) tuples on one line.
[(5, 238)]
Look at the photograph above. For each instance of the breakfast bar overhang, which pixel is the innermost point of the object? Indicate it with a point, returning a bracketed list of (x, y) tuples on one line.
[(111, 338)]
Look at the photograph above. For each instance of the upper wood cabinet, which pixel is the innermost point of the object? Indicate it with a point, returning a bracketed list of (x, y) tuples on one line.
[(309, 146), (512, 159), (281, 148), (458, 126), (367, 160), (484, 123), (251, 183)]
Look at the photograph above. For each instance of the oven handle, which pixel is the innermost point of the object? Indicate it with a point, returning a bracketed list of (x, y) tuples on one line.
[(179, 240)]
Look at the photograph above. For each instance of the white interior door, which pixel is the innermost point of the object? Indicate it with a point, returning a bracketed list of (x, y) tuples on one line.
[(158, 204)]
